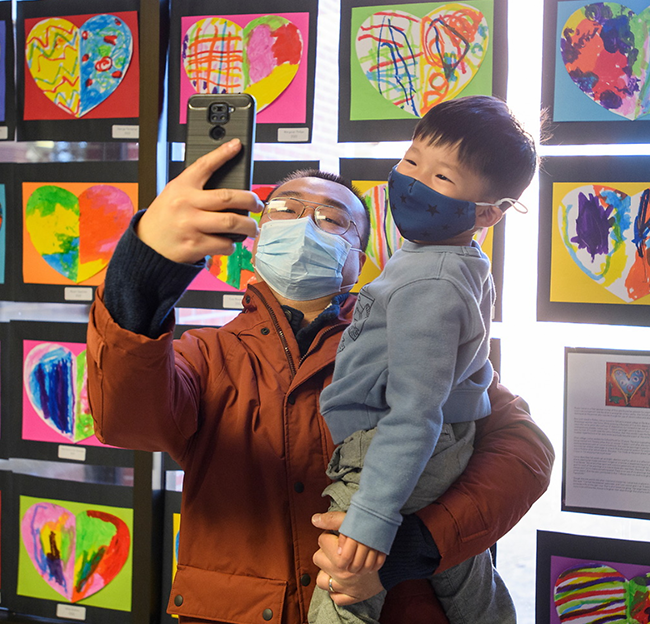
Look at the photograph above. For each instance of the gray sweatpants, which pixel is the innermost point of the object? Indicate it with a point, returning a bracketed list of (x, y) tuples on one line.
[(469, 592)]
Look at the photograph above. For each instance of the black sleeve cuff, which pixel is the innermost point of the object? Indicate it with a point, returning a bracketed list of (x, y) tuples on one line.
[(413, 555), (142, 286)]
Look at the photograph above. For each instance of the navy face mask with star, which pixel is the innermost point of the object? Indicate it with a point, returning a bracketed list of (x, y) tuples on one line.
[(422, 214)]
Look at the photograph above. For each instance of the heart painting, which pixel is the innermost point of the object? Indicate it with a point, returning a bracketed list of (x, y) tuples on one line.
[(55, 381), (415, 63), (604, 47), (628, 383), (588, 594), (77, 555), (76, 236), (78, 68), (607, 233), (262, 59)]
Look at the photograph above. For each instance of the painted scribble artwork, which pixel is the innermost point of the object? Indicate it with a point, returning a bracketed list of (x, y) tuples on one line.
[(75, 552), (55, 394), (385, 238), (627, 385), (176, 534), (605, 49), (71, 230), (595, 592), (264, 55), (414, 62), (606, 231), (77, 67)]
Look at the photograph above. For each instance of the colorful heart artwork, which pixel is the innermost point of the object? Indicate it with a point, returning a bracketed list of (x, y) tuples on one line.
[(56, 384), (78, 68), (606, 233), (605, 49), (76, 236), (262, 59), (630, 383), (77, 555), (415, 63), (589, 594)]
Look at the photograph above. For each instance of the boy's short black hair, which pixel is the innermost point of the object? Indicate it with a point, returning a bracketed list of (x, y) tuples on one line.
[(364, 228), (490, 141)]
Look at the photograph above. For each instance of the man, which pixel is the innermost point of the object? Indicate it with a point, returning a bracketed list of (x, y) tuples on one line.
[(237, 407)]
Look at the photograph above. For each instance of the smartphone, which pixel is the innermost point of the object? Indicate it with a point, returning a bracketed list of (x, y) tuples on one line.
[(216, 119)]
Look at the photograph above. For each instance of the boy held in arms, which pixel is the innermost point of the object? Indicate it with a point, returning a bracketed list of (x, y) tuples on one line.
[(412, 370)]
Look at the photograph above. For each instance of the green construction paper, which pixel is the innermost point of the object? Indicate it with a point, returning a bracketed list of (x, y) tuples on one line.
[(116, 595)]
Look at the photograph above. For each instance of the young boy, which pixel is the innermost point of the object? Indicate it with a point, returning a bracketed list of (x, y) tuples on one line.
[(412, 369)]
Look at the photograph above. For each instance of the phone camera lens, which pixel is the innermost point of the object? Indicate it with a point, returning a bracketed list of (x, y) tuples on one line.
[(218, 113)]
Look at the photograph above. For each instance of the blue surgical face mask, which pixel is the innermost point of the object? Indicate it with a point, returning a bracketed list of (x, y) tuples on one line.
[(300, 261), (422, 214)]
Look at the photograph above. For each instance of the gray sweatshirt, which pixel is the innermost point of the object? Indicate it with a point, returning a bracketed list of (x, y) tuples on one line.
[(415, 356)]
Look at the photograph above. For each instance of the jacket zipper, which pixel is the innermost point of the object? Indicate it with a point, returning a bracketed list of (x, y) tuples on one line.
[(316, 343), (283, 339)]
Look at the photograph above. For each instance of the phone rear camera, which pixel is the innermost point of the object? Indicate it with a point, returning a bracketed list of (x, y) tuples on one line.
[(217, 132), (218, 113)]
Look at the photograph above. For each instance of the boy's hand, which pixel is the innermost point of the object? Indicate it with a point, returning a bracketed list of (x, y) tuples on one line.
[(356, 557), (184, 222), (348, 588)]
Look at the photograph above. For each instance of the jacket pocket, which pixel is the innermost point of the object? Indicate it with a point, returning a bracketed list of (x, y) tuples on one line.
[(220, 597)]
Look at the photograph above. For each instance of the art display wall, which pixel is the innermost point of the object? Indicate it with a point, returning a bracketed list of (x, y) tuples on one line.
[(74, 72)]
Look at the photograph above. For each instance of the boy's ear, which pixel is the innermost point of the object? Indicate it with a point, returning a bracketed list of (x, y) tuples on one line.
[(487, 216)]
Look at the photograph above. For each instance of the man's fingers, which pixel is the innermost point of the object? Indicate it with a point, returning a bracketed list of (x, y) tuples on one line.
[(328, 521), (222, 199), (198, 173)]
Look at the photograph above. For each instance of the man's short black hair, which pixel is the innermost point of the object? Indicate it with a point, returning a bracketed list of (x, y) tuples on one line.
[(364, 228), (490, 141)]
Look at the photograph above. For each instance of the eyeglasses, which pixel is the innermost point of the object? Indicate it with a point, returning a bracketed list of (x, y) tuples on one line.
[(328, 218)]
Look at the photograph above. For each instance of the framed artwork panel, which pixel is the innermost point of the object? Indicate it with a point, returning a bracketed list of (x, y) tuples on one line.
[(606, 410), (7, 84), (72, 216), (58, 527), (595, 77), (593, 240), (221, 284), (78, 70), (370, 176), (217, 47), (591, 579), (398, 60), (49, 416)]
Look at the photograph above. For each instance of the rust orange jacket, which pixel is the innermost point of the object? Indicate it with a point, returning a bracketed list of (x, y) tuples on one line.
[(237, 408)]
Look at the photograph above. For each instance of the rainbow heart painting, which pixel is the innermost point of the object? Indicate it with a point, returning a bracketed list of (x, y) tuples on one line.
[(75, 552), (416, 62), (73, 228), (594, 593), (605, 48), (264, 55), (606, 232), (55, 393), (79, 67)]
